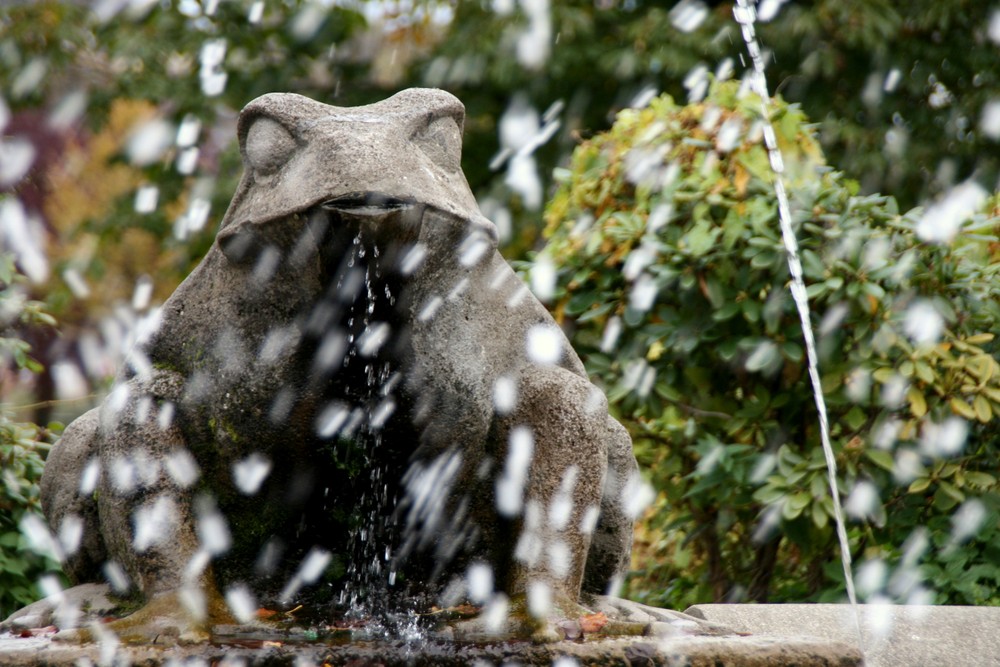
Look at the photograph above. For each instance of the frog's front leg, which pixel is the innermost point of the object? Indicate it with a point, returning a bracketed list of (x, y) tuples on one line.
[(69, 497), (160, 532), (551, 483)]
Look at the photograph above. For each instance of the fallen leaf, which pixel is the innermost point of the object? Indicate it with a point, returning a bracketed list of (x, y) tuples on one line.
[(270, 644), (593, 622), (265, 613)]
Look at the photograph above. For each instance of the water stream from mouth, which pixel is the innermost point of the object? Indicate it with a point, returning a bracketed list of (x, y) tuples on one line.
[(745, 14)]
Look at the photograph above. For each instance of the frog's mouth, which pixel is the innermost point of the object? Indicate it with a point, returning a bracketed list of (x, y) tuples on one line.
[(367, 204)]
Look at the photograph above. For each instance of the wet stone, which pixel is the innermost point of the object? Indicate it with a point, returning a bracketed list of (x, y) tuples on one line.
[(732, 651)]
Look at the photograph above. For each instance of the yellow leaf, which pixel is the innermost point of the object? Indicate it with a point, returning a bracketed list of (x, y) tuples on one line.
[(961, 408), (740, 180), (918, 404), (984, 412)]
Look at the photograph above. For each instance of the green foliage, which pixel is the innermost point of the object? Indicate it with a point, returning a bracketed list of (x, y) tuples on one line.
[(665, 230), (23, 447)]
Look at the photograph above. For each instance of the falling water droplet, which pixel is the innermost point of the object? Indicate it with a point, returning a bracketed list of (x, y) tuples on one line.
[(250, 473)]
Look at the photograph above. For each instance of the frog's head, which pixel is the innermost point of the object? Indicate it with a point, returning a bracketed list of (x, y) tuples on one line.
[(359, 162)]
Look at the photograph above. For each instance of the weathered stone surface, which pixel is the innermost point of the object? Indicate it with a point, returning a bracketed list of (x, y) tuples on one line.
[(354, 308), (894, 636)]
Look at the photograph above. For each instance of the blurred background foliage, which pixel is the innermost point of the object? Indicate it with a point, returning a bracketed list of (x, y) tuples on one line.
[(673, 275), (118, 119)]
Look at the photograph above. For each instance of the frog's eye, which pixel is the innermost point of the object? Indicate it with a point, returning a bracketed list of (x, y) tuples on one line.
[(268, 145), (441, 141)]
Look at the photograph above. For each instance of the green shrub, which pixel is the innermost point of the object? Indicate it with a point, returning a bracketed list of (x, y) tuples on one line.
[(674, 280), (23, 448)]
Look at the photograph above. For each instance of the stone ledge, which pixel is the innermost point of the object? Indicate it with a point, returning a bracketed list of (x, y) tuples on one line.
[(894, 636), (731, 651)]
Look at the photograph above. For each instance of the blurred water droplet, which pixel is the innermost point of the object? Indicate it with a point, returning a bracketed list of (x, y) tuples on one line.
[(643, 293), (764, 357), (768, 9), (413, 259), (194, 601), (146, 198), (588, 522), (373, 338), (687, 15), (70, 533), (250, 473), (116, 576), (923, 323), (504, 395), (544, 344), (68, 111), (331, 351), (636, 496), (539, 595), (166, 417), (241, 603), (211, 75), (381, 413), (495, 613), (430, 309), (16, 157), (967, 520), (560, 559), (871, 577), (312, 567), (193, 220), (188, 131), (612, 330), (894, 391), (266, 265), (29, 78), (892, 80), (863, 501), (256, 12), (187, 160), (858, 385), (696, 82), (182, 468), (154, 523), (729, 135), (989, 120), (543, 278), (69, 381), (534, 42), (942, 220), (945, 439), (907, 467), (638, 259), (90, 476), (148, 142), (479, 580), (211, 527), (510, 485), (522, 177)]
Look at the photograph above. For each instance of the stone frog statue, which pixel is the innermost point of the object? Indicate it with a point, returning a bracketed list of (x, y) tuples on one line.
[(352, 369)]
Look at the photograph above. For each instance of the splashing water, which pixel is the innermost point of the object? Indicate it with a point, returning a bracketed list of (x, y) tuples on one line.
[(745, 15)]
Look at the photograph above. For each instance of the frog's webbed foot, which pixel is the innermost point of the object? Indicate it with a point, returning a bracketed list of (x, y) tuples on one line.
[(165, 619), (514, 620)]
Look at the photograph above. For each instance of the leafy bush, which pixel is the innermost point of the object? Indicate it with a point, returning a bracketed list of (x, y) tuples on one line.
[(23, 448), (674, 279)]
